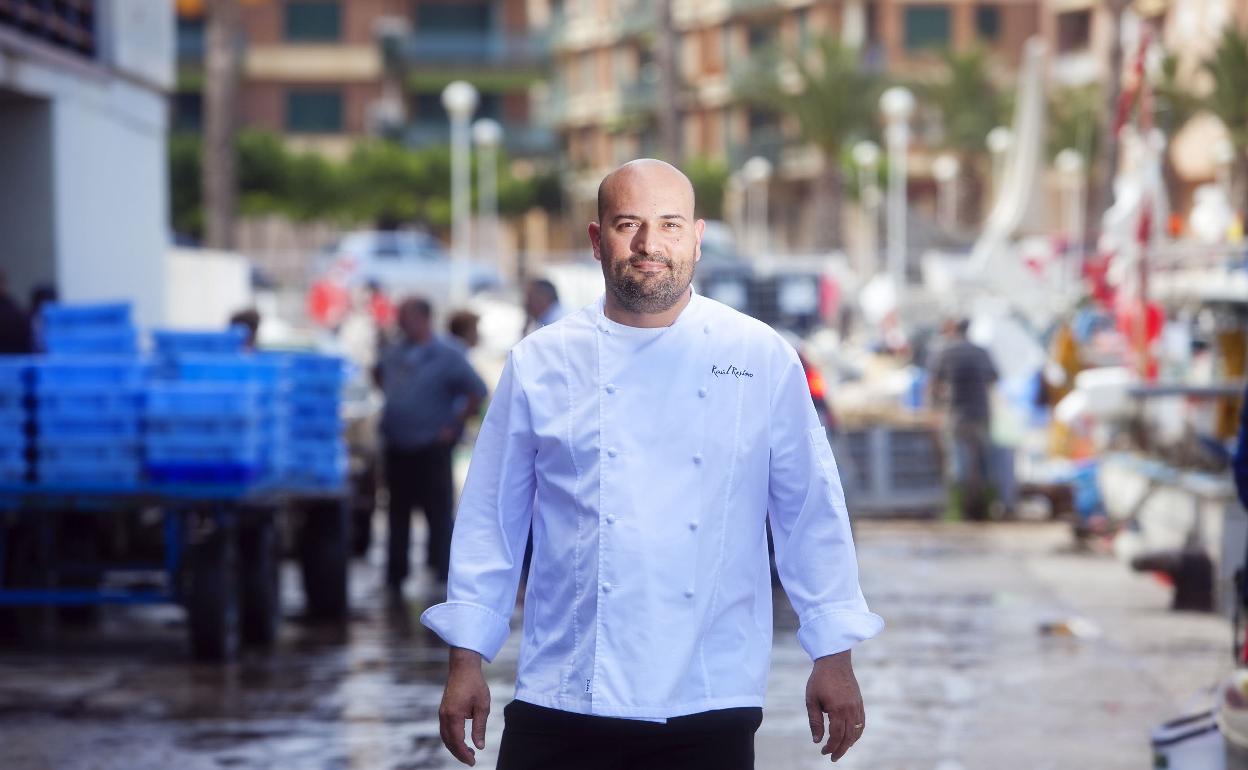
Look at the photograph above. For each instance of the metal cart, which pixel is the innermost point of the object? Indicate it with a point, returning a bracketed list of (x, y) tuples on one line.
[(220, 557)]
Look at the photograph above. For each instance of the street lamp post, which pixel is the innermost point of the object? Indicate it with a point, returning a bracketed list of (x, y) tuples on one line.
[(897, 106), (486, 135), (999, 141), (866, 156), (945, 170), (460, 100), (1070, 167), (757, 174)]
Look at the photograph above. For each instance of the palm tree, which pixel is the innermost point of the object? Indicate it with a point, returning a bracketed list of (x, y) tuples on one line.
[(833, 99), (971, 105), (1228, 68), (1173, 105)]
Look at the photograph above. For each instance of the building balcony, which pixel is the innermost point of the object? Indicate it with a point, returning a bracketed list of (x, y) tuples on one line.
[(764, 143), (489, 49), (519, 139)]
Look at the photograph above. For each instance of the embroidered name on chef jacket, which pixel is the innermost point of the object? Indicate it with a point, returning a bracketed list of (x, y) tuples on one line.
[(733, 370)]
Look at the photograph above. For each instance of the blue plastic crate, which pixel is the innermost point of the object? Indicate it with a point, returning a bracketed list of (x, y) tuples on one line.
[(58, 315), (192, 449), (223, 473), (244, 367), (84, 452), (110, 427), (211, 426), (15, 372), (13, 418), (114, 371), (120, 473), (122, 340), (320, 462), (13, 454), (235, 399), (183, 342), (12, 400), (85, 400)]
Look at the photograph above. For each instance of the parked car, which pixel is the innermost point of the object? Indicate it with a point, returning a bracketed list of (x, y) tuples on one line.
[(401, 262)]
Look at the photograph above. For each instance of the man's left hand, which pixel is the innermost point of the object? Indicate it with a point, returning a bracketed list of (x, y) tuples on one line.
[(833, 690)]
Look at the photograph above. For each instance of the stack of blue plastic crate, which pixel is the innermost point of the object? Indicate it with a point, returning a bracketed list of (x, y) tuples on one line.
[(14, 379), (314, 452), (212, 411), (92, 329), (88, 419)]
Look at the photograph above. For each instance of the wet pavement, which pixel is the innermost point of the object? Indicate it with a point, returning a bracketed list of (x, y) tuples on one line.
[(961, 678)]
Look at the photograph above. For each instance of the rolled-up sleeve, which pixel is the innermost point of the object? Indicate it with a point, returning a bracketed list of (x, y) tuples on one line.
[(810, 525), (491, 527)]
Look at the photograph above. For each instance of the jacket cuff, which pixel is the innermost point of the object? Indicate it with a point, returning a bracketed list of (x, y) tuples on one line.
[(471, 626), (837, 631)]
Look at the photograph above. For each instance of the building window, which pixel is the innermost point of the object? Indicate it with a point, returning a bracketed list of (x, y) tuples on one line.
[(761, 37), (461, 17), (988, 22), (927, 26), (427, 107), (188, 111), (314, 111), (313, 21), (1074, 31)]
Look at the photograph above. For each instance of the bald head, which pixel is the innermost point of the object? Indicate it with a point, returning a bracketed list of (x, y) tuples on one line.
[(647, 172)]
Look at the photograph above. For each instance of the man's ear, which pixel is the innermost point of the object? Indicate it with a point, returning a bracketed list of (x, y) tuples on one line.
[(699, 227), (595, 239)]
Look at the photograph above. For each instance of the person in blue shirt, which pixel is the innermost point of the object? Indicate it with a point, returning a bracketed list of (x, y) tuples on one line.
[(646, 441), (1239, 463), (430, 389)]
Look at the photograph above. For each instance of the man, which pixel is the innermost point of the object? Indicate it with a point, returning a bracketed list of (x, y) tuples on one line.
[(248, 320), (541, 305), (462, 330), (646, 439), (430, 389), (1239, 463), (962, 375), (15, 327)]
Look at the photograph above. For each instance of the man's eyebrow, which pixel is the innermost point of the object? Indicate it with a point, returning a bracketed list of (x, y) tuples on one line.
[(618, 217)]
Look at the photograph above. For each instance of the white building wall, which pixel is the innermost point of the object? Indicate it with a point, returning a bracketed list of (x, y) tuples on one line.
[(89, 206)]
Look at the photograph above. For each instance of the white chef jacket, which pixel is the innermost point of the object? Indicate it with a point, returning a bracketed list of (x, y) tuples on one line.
[(646, 461)]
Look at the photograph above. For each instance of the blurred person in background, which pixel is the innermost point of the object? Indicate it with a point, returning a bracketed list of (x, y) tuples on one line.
[(961, 377), (541, 305), (41, 295), (381, 308), (1239, 463), (248, 320), (462, 330), (15, 328), (430, 389)]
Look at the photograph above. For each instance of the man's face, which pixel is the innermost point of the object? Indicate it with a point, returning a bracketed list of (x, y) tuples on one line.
[(648, 240), (413, 322), (534, 302)]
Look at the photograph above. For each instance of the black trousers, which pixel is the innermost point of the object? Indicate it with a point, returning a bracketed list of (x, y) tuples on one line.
[(419, 478), (537, 738)]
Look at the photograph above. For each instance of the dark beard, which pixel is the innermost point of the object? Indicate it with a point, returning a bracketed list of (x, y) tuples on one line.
[(650, 295)]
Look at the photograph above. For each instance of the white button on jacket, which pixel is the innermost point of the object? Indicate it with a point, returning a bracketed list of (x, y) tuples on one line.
[(666, 611)]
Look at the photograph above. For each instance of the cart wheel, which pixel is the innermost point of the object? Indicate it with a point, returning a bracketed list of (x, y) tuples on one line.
[(212, 591), (259, 581), (324, 558)]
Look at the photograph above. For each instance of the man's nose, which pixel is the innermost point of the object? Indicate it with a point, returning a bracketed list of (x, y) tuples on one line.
[(644, 240)]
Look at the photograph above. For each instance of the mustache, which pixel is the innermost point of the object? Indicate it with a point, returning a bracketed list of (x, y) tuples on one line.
[(636, 259)]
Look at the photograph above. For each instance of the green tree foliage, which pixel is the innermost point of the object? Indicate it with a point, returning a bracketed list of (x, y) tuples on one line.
[(833, 99), (379, 184), (1229, 98), (970, 105), (1074, 121), (709, 177)]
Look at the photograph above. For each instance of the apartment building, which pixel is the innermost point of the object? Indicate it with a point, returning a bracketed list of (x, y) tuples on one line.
[(324, 73), (605, 89)]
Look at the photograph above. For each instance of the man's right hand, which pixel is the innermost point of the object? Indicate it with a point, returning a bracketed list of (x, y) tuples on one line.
[(466, 697)]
